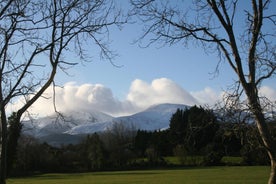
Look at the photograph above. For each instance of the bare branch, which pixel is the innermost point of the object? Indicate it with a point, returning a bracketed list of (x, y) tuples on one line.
[(5, 7), (251, 55)]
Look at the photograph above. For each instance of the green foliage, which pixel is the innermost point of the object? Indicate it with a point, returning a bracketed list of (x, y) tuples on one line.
[(154, 158), (94, 153), (253, 151), (204, 142), (141, 142), (212, 158), (190, 161), (159, 140), (202, 127), (232, 161), (181, 153), (14, 131), (254, 155), (178, 127), (193, 128), (118, 142), (232, 138), (213, 155), (33, 156)]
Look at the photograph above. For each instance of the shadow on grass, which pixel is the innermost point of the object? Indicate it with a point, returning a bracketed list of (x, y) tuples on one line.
[(50, 176), (72, 175)]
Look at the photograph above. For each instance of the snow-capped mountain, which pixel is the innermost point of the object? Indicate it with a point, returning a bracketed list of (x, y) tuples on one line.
[(72, 125), (154, 118), (60, 123)]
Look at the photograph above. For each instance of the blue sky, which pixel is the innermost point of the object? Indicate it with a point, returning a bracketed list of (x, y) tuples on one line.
[(146, 76), (190, 67)]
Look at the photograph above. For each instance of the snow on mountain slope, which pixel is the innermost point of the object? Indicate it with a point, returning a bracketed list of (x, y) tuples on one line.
[(56, 124), (73, 126), (154, 118)]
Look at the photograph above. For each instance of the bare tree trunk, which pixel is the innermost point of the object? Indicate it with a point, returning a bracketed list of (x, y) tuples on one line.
[(272, 176), (3, 164), (264, 133), (270, 147), (169, 25)]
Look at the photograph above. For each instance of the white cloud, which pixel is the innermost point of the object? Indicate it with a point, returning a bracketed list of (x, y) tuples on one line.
[(87, 97), (160, 90), (207, 96), (268, 92)]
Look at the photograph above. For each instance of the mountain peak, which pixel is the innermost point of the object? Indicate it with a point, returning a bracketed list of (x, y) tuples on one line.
[(166, 107), (156, 117)]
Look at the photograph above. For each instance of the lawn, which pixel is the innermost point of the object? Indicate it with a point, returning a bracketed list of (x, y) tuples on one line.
[(255, 174)]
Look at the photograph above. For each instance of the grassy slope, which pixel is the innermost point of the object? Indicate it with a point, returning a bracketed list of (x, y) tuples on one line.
[(256, 174)]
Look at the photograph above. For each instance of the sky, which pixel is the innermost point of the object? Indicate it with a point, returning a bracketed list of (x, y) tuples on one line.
[(141, 77)]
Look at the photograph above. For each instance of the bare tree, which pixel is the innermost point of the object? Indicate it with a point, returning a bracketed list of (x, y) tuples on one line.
[(40, 38), (247, 45)]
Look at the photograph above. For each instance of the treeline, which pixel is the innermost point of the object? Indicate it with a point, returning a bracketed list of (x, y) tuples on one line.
[(193, 133)]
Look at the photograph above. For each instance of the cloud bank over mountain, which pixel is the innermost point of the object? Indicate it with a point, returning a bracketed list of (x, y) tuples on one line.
[(87, 97), (163, 90)]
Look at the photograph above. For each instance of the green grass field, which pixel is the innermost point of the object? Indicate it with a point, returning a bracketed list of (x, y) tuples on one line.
[(237, 175)]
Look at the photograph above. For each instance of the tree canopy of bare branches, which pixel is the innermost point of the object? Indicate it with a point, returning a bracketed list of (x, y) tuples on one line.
[(241, 33), (40, 38)]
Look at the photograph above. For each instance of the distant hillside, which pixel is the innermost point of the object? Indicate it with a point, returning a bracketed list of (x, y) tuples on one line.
[(72, 125)]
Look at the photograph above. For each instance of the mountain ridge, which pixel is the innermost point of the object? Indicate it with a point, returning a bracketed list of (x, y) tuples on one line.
[(156, 117)]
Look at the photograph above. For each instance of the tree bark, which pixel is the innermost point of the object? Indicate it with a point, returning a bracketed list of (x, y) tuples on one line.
[(270, 147), (264, 133), (3, 164), (272, 176)]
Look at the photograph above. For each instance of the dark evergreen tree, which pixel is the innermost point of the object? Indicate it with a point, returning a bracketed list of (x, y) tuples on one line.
[(141, 142), (178, 127), (14, 130), (194, 128), (202, 127), (160, 142)]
